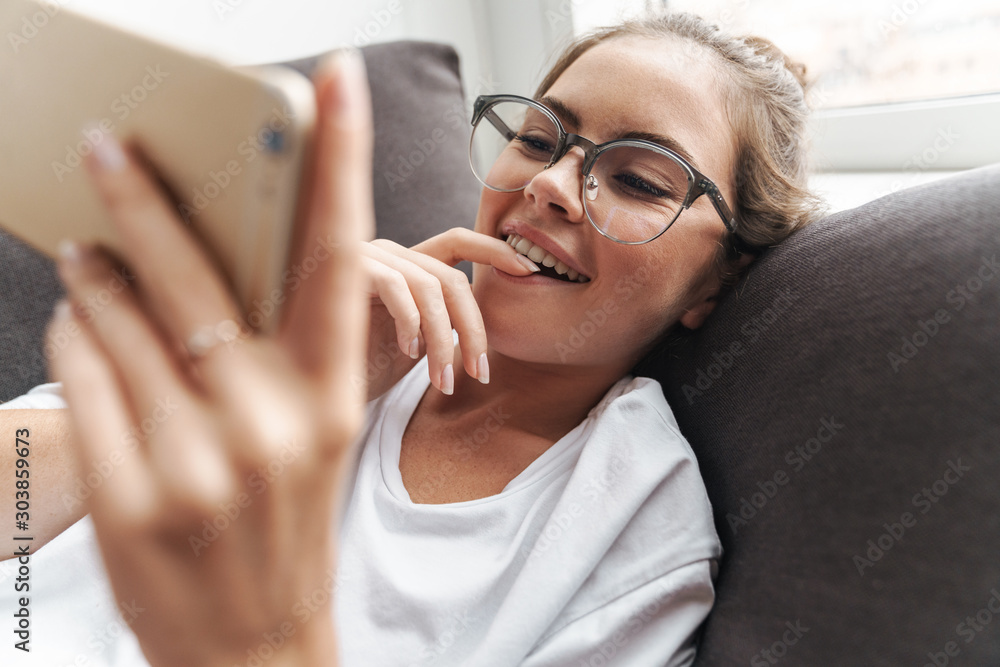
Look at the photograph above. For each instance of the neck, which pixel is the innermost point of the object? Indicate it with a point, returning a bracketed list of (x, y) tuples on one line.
[(547, 400)]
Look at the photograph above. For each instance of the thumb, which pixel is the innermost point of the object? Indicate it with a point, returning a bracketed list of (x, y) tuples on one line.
[(326, 318)]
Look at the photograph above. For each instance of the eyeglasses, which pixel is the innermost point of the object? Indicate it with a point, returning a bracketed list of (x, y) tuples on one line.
[(633, 189)]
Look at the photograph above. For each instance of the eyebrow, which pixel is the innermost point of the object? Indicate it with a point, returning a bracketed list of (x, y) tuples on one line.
[(568, 117), (664, 141), (565, 114)]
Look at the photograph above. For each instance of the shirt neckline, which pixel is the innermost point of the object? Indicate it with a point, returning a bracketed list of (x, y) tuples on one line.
[(402, 403)]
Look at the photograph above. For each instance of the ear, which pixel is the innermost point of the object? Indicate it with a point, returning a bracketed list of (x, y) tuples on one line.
[(707, 295), (694, 317)]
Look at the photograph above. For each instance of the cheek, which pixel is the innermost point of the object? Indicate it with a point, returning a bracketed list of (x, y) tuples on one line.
[(492, 206), (639, 292), (640, 277), (649, 294)]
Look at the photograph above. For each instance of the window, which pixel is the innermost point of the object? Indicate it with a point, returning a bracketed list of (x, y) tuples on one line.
[(856, 51)]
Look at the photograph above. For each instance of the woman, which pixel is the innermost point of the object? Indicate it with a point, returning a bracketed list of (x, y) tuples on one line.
[(539, 508)]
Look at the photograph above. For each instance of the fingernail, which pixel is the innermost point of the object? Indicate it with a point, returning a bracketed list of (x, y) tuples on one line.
[(352, 76), (483, 369), (414, 351), (448, 380), (527, 263), (70, 252), (108, 152), (61, 311)]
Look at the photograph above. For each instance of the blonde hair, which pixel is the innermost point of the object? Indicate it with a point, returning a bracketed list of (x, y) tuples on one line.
[(766, 106)]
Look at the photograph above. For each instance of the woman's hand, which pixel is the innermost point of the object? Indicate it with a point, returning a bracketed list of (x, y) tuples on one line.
[(418, 297), (219, 522)]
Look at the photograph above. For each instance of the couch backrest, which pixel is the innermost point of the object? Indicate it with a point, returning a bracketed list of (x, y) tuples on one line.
[(422, 186), (844, 405)]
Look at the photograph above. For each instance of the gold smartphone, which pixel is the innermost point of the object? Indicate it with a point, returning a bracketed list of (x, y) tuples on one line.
[(230, 143)]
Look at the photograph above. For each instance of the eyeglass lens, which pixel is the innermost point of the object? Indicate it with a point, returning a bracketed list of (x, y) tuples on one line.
[(631, 193)]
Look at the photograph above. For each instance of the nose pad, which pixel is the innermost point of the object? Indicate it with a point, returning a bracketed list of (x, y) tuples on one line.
[(591, 187)]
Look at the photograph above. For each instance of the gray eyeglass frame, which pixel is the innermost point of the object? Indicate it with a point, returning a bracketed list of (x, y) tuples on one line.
[(698, 183)]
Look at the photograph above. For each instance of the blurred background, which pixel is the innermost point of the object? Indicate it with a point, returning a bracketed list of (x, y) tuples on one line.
[(905, 91)]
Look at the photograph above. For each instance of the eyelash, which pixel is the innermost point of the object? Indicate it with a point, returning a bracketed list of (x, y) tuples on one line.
[(533, 144)]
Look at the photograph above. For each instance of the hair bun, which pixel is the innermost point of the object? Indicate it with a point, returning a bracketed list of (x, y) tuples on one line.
[(766, 48)]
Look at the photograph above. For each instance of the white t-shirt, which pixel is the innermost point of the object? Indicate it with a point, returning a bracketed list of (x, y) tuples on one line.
[(602, 551)]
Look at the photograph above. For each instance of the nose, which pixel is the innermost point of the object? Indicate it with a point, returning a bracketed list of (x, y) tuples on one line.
[(559, 186)]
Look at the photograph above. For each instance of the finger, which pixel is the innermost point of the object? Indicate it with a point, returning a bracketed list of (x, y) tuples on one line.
[(449, 305), (390, 288), (448, 249), (101, 418), (434, 319), (453, 246), (186, 291), (457, 244), (324, 323), (191, 467)]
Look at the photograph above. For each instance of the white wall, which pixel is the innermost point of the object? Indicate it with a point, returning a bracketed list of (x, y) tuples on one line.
[(506, 45), (501, 44), (250, 31)]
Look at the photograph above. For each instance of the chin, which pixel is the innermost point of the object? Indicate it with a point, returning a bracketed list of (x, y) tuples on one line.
[(518, 335)]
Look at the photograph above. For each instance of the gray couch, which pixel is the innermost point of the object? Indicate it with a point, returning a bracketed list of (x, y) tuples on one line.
[(843, 402)]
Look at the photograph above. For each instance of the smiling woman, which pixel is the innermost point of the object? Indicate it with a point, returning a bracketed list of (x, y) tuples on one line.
[(540, 508), (671, 109)]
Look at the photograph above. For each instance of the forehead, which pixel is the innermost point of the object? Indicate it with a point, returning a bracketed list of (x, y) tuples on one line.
[(661, 86)]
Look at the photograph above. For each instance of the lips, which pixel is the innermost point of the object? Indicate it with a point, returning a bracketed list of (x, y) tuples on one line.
[(532, 243), (552, 266)]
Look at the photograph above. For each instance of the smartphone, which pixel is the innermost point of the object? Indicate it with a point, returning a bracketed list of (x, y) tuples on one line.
[(229, 143)]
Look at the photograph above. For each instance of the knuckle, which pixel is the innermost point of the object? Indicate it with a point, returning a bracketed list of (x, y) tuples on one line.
[(386, 244), (384, 280), (263, 430), (456, 280), (396, 281), (456, 233), (339, 430), (190, 505), (477, 330), (427, 285), (443, 337), (436, 306), (139, 515), (410, 321)]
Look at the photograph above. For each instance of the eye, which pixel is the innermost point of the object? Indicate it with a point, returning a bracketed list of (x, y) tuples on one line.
[(638, 186), (535, 144)]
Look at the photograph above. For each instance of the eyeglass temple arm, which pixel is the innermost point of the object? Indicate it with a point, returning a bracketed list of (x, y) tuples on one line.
[(501, 126), (728, 219)]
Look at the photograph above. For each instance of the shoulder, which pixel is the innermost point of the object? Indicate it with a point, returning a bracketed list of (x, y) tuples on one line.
[(639, 487), (638, 393), (633, 421), (638, 477)]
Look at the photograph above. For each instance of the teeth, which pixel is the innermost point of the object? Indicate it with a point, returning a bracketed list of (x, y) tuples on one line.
[(538, 254)]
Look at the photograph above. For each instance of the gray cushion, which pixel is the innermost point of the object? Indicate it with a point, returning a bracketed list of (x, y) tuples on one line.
[(422, 186), (863, 377), (29, 289), (422, 182)]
